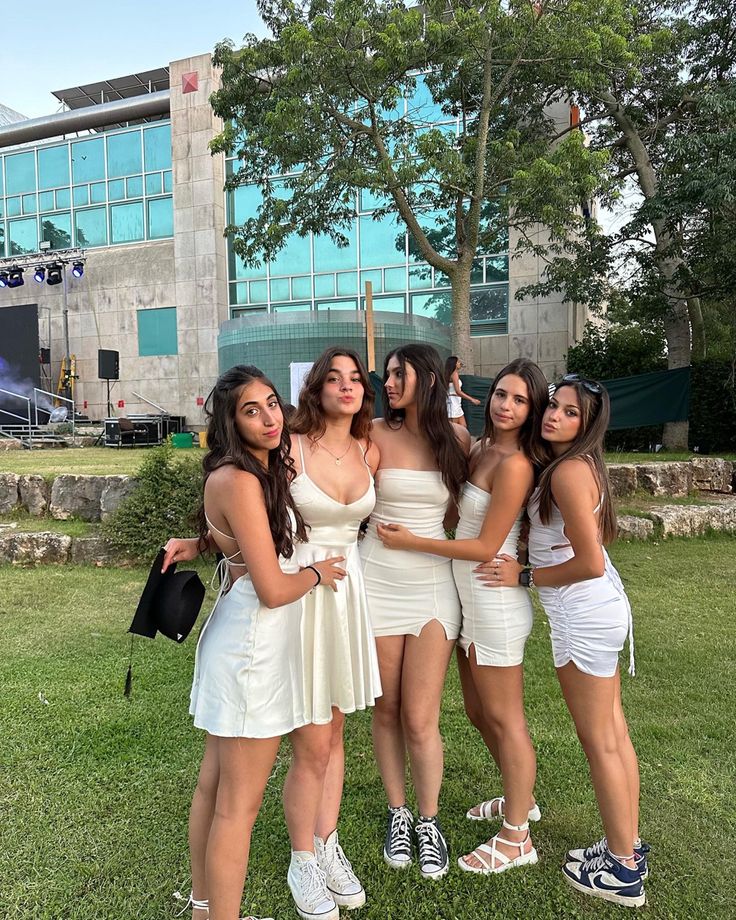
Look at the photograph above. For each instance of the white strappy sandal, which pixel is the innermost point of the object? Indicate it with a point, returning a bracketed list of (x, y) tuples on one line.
[(204, 904), (495, 808), (492, 860)]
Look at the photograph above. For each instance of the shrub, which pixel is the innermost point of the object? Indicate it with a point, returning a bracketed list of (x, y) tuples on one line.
[(164, 505), (713, 406)]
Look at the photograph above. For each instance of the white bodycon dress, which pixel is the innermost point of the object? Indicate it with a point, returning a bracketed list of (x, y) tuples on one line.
[(497, 621), (406, 590)]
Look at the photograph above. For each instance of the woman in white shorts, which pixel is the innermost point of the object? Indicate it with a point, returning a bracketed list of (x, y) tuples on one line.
[(571, 517), (455, 394), (496, 624), (412, 600)]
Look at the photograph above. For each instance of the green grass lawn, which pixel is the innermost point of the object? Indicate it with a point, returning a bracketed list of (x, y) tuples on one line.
[(641, 457), (90, 460), (95, 788)]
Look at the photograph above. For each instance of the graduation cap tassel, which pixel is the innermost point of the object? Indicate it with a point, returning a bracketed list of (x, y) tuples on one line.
[(129, 675)]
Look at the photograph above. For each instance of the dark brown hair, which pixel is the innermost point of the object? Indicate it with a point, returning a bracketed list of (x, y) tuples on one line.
[(309, 418), (226, 446), (450, 368), (530, 439), (431, 400), (595, 413)]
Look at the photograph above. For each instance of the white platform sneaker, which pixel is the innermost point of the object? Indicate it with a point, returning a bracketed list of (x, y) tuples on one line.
[(308, 886), (342, 883)]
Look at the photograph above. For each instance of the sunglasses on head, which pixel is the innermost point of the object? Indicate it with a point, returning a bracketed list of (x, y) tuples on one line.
[(590, 385)]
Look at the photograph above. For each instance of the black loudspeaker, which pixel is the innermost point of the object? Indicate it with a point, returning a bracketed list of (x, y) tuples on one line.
[(45, 356), (108, 364)]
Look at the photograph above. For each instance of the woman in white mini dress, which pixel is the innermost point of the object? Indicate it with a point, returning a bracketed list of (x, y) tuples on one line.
[(413, 603), (572, 517), (455, 393), (495, 625), (248, 680)]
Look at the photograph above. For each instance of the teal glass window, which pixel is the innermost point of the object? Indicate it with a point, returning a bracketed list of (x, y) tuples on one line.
[(81, 195), (490, 305), (243, 203), (154, 185), (126, 222), (1, 176), (63, 198), (157, 148), (46, 201), (337, 305), (258, 290), (476, 272), (329, 257), (134, 187), (2, 209), (91, 227), (157, 332), (30, 204), (390, 304), (295, 257), (88, 160), (301, 286), (420, 276), (238, 293), (435, 306), (382, 242), (160, 218), (53, 167), (280, 289), (497, 268), (20, 173), (13, 205), (422, 107), (324, 285), (124, 155), (57, 230), (394, 279), (22, 236), (2, 238), (291, 307), (347, 283), (168, 182), (97, 193), (116, 190), (375, 279)]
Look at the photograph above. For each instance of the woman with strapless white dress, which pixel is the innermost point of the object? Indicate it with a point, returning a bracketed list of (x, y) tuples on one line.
[(495, 628), (412, 598)]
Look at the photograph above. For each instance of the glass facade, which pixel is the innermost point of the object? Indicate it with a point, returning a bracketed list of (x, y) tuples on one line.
[(104, 190)]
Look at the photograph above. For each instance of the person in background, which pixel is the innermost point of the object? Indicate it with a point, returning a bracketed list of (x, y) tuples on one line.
[(455, 394)]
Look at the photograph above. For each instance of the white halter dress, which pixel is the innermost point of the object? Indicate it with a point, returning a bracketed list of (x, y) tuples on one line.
[(497, 621), (589, 620), (248, 671), (407, 590), (339, 661)]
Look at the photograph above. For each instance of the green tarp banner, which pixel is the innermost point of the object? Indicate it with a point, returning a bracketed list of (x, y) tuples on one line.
[(646, 399)]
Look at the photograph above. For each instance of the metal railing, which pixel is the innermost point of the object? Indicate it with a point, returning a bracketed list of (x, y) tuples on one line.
[(54, 396), (23, 418)]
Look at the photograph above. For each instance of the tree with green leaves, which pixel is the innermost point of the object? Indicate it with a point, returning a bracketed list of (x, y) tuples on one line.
[(316, 112)]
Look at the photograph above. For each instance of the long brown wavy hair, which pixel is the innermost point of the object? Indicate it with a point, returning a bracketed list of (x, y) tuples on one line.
[(227, 447), (309, 418), (595, 414), (431, 399), (530, 438)]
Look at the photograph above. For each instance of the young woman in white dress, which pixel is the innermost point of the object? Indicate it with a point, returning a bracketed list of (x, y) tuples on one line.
[(455, 393), (496, 625), (412, 599), (572, 516), (247, 689), (334, 462)]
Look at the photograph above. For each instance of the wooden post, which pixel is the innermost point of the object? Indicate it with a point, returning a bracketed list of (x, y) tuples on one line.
[(369, 328)]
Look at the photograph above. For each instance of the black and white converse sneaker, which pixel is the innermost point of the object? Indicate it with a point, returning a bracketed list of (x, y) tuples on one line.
[(432, 847), (397, 847)]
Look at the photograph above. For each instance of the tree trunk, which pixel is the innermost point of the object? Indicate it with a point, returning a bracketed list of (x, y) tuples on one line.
[(698, 328), (462, 344)]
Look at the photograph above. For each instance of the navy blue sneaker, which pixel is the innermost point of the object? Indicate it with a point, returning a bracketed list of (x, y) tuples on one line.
[(595, 849), (605, 877)]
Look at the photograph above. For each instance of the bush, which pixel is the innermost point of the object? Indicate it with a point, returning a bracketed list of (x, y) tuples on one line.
[(164, 505), (713, 406)]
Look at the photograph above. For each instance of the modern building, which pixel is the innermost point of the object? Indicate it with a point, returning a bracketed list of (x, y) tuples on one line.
[(125, 175)]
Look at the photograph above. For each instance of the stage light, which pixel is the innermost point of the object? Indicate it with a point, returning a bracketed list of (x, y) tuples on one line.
[(3, 279), (53, 273), (78, 269), (40, 274), (15, 277)]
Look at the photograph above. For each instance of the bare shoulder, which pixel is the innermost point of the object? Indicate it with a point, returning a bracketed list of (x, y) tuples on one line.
[(573, 475), (228, 479), (380, 430), (463, 437), (516, 463)]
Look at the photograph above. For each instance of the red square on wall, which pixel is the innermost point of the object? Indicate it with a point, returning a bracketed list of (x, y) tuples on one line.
[(190, 82), (200, 400), (121, 404)]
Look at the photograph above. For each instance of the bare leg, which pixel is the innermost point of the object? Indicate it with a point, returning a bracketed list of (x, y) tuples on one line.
[(426, 658), (305, 782), (591, 704), (473, 707), (388, 733), (628, 754), (329, 810), (245, 765), (200, 821), (460, 420)]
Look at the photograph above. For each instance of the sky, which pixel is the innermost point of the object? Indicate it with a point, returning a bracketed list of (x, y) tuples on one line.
[(90, 41)]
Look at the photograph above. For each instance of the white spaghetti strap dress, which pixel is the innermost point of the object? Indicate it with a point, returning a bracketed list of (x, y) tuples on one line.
[(248, 672), (406, 589), (497, 621), (339, 660)]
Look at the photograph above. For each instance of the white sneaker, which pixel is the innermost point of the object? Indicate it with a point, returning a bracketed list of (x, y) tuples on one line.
[(308, 888), (342, 882)]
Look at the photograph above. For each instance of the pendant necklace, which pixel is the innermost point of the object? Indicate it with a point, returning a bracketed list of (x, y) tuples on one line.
[(338, 460)]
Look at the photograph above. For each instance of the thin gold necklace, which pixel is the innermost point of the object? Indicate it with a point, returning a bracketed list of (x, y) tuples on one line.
[(338, 460)]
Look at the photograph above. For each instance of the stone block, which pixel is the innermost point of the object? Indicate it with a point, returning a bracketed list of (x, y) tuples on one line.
[(9, 496), (34, 493), (673, 479), (523, 318), (710, 474), (693, 520), (10, 444), (76, 496), (552, 346), (35, 548), (623, 479), (115, 490), (523, 346), (553, 317), (631, 527), (94, 550)]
